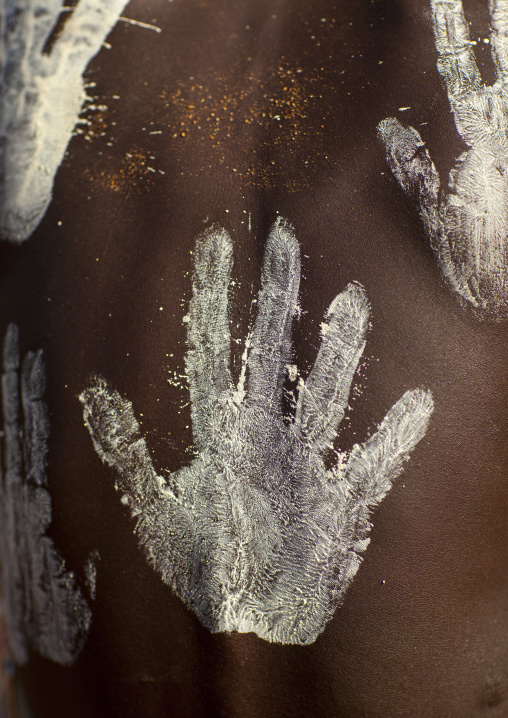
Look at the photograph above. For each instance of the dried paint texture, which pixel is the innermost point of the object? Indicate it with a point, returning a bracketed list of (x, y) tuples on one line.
[(42, 95), (45, 610), (467, 225), (257, 534)]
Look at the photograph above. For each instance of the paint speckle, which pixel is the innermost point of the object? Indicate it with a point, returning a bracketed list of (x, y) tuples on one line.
[(132, 178), (257, 534), (220, 111), (292, 372)]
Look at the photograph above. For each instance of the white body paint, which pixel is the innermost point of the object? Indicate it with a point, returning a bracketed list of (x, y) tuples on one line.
[(257, 534), (45, 610), (41, 98), (468, 225), (90, 571)]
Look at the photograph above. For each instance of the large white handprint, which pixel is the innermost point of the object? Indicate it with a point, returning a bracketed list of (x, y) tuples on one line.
[(257, 534), (42, 95), (468, 225)]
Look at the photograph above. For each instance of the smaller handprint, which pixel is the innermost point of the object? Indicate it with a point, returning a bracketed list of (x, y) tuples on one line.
[(42, 94), (257, 534), (45, 610), (468, 225)]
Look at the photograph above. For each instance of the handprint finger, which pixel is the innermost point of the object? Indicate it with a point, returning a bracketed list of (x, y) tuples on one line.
[(417, 175), (373, 465), (35, 417), (12, 490), (412, 167), (277, 305), (161, 520), (324, 396), (208, 357), (411, 164), (499, 36), (456, 63), (117, 439), (11, 406)]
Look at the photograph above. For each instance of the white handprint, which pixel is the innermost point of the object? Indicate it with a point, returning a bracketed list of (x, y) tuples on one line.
[(257, 534), (45, 610), (468, 225), (42, 95)]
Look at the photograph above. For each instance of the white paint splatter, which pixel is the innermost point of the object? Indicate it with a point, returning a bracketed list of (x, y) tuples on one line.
[(144, 25), (45, 610), (257, 534), (468, 225), (292, 372), (42, 95)]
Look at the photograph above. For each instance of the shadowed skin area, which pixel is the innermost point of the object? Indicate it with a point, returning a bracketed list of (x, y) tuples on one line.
[(102, 287), (256, 534), (467, 225)]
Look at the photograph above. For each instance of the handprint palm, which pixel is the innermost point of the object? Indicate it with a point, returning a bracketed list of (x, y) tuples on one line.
[(257, 534), (468, 226)]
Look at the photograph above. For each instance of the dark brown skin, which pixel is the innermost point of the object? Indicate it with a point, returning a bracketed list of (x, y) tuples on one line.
[(423, 629)]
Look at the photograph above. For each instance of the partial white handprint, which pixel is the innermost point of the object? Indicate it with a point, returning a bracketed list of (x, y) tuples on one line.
[(257, 534), (42, 95), (44, 608), (468, 225)]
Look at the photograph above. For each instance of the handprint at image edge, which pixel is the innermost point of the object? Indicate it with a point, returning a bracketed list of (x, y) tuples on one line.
[(45, 610), (257, 534), (468, 225), (42, 95)]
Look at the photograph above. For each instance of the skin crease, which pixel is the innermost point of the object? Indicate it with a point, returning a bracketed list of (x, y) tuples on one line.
[(421, 631)]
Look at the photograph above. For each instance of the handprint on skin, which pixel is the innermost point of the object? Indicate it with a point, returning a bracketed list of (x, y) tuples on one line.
[(468, 226), (42, 95), (257, 534), (45, 610)]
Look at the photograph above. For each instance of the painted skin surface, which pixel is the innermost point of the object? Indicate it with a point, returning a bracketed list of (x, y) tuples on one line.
[(468, 225), (45, 611), (43, 94), (257, 534)]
